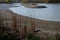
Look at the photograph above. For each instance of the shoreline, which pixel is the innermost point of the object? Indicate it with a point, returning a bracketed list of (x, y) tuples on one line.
[(44, 24)]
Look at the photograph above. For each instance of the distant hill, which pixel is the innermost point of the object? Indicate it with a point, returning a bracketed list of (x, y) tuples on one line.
[(9, 1), (41, 1), (54, 1), (30, 1)]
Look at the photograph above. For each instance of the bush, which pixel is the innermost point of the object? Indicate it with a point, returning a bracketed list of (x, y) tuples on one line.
[(30, 36)]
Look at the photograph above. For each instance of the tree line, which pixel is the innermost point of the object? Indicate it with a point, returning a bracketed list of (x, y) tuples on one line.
[(41, 1), (33, 1)]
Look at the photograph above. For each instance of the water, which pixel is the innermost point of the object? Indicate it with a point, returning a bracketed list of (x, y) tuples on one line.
[(7, 6), (51, 13)]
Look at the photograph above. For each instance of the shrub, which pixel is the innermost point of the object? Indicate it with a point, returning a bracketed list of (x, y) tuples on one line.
[(30, 36)]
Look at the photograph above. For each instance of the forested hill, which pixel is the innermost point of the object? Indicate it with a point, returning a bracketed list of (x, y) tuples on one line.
[(41, 1), (30, 1)]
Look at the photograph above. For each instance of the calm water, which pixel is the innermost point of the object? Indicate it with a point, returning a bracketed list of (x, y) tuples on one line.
[(51, 13), (4, 6)]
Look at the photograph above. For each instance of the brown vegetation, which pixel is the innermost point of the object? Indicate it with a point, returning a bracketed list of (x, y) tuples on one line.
[(22, 24), (8, 20), (12, 23)]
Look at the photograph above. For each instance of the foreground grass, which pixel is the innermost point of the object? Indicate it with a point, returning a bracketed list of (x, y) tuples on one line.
[(5, 35)]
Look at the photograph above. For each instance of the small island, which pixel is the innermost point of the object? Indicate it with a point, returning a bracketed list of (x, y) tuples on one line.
[(34, 5)]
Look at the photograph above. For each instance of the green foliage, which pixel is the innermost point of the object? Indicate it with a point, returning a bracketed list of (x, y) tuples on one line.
[(30, 36)]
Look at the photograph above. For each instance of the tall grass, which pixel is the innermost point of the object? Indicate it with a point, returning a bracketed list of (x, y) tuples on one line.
[(57, 36), (5, 35)]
